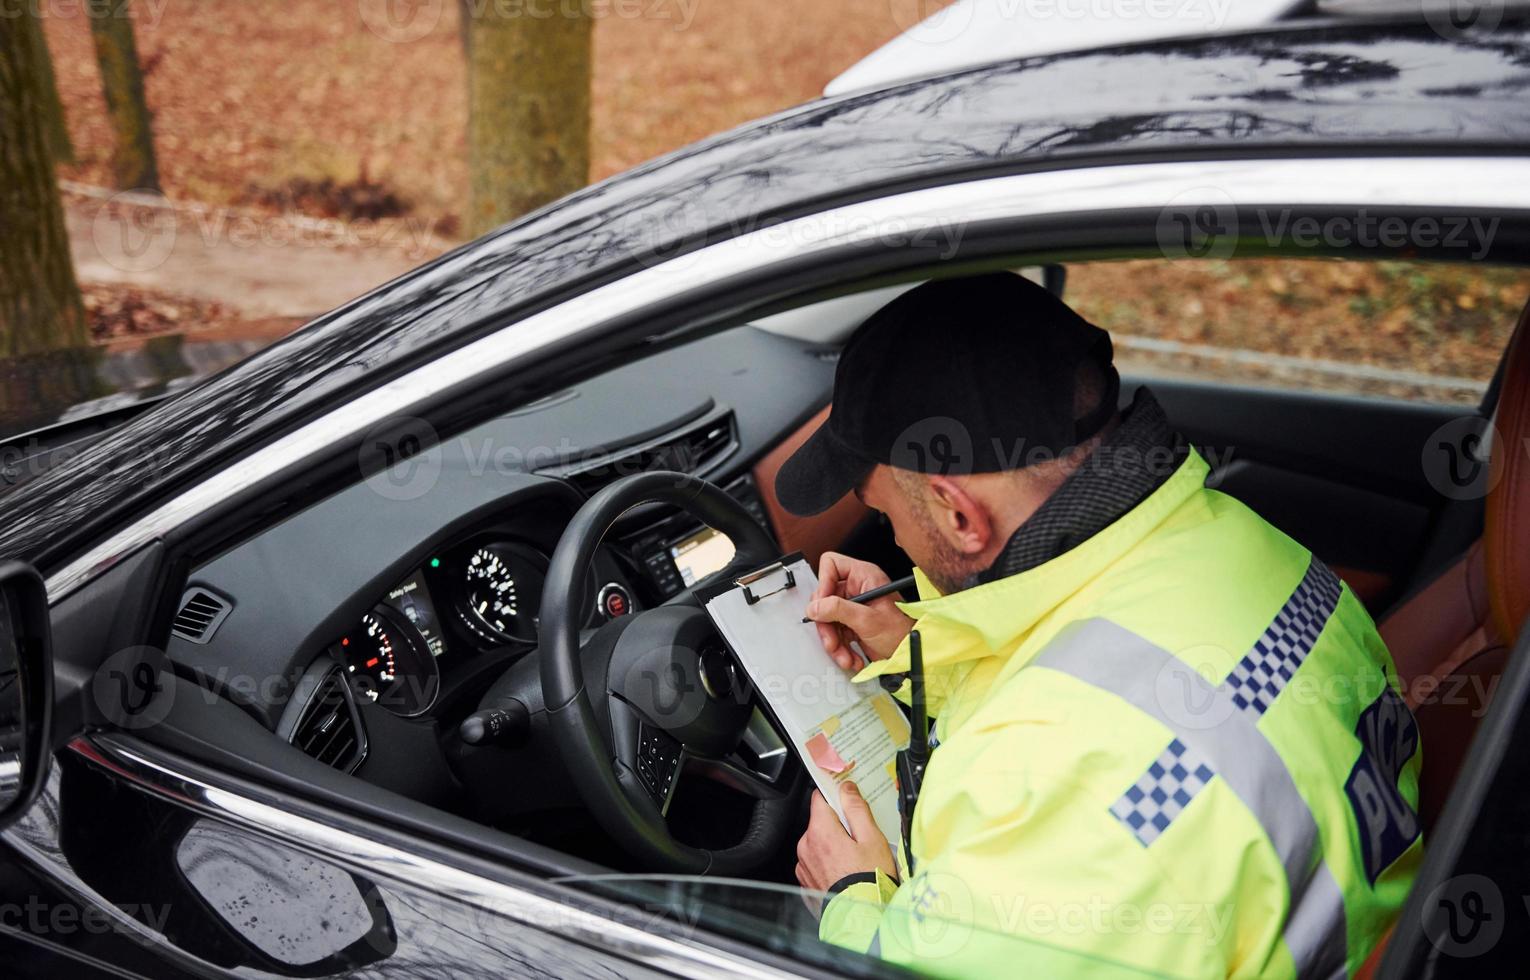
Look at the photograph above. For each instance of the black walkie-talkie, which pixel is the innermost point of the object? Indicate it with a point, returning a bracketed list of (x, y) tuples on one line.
[(912, 760)]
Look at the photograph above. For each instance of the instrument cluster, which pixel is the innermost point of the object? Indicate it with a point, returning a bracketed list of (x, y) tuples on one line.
[(483, 594)]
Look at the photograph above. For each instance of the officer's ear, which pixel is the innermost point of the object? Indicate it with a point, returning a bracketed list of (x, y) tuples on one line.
[(960, 517)]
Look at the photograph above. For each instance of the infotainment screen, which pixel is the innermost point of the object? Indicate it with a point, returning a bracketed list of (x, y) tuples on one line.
[(412, 599), (701, 554)]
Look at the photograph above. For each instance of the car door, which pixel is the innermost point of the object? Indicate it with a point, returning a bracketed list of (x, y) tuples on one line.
[(135, 867)]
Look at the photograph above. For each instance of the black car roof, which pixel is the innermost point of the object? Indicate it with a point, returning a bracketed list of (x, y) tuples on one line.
[(1306, 89)]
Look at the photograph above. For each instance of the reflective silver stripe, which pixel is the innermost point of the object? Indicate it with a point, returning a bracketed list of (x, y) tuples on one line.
[(1315, 929), (1204, 717)]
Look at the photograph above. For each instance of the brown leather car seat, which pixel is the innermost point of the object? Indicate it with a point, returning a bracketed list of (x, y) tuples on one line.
[(1451, 640)]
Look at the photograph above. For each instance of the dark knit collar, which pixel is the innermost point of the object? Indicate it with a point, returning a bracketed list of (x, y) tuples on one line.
[(1124, 470)]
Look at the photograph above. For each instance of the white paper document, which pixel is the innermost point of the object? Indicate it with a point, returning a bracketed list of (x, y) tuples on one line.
[(841, 731)]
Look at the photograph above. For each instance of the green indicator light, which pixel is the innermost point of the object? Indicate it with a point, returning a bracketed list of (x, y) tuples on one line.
[(435, 563)]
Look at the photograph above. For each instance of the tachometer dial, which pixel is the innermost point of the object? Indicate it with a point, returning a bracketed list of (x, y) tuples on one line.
[(502, 592), (389, 663)]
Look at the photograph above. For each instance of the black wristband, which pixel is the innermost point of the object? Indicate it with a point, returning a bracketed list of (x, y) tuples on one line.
[(869, 877)]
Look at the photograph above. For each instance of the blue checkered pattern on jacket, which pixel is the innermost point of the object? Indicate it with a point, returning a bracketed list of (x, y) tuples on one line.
[(1261, 675), (1162, 792)]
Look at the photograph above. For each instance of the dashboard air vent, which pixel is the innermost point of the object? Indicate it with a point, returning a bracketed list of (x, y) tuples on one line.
[(697, 450), (202, 612), (330, 729)]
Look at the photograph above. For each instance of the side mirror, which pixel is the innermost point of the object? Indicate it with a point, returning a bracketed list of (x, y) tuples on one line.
[(26, 689)]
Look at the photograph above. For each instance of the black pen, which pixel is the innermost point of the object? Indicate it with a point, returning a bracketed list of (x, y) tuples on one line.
[(878, 592)]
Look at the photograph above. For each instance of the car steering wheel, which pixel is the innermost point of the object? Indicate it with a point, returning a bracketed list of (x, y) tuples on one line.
[(655, 693)]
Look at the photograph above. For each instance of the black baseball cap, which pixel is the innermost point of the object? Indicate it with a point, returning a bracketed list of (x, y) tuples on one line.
[(957, 376)]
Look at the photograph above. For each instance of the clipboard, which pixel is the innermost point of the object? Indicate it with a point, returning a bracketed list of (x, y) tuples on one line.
[(839, 729)]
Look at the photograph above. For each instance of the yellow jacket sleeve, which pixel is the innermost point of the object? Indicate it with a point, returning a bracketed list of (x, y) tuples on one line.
[(854, 908)]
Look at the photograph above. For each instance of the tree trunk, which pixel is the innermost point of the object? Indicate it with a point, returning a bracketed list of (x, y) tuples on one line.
[(58, 125), (39, 300), (133, 165), (529, 110)]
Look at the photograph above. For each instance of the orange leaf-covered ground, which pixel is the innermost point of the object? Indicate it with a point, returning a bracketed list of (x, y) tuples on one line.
[(248, 95), (327, 107)]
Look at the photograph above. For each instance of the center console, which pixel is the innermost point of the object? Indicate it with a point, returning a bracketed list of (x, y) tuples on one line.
[(675, 551)]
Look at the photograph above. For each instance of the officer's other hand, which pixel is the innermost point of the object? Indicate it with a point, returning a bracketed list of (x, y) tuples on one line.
[(878, 626), (825, 854)]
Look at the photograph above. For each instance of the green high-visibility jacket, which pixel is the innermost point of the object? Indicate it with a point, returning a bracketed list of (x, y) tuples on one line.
[(1178, 748)]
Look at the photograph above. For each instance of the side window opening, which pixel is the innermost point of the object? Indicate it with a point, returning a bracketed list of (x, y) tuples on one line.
[(1420, 331)]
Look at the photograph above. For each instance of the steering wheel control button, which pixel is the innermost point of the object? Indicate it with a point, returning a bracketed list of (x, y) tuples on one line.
[(658, 760), (662, 567), (615, 601)]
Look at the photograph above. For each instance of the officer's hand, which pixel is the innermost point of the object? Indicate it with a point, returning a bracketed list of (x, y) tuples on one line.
[(879, 626), (826, 853)]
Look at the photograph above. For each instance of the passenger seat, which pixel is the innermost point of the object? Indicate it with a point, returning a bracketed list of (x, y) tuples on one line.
[(1452, 639)]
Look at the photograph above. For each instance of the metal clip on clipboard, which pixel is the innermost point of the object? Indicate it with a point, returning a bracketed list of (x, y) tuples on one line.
[(745, 581)]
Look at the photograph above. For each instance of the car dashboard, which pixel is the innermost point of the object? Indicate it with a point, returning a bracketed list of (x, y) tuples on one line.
[(421, 595)]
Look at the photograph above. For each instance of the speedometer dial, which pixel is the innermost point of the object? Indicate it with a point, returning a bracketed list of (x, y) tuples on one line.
[(389, 663), (378, 657), (502, 592)]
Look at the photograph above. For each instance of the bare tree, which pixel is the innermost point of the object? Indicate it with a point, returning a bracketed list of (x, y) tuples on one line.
[(529, 109), (133, 163), (58, 125), (39, 299)]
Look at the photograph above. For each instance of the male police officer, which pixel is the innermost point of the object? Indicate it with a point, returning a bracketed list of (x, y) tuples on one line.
[(1168, 737)]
